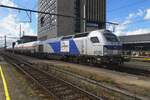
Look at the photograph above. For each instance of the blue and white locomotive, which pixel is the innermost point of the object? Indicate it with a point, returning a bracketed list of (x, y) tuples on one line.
[(94, 47)]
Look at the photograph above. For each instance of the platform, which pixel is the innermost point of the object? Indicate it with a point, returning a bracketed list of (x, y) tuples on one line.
[(2, 93), (2, 90), (141, 59), (138, 65)]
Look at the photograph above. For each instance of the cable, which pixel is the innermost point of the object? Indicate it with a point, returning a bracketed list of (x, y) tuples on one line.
[(55, 14)]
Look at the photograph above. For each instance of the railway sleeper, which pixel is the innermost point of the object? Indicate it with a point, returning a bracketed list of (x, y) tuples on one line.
[(68, 94), (53, 83), (46, 80), (53, 86), (37, 78), (56, 86), (61, 89), (75, 96), (64, 93), (47, 83)]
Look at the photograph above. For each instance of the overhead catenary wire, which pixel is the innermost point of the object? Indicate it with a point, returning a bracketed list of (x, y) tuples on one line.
[(55, 14), (36, 11)]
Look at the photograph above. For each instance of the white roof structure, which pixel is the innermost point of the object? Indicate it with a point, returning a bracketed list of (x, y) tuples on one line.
[(143, 38)]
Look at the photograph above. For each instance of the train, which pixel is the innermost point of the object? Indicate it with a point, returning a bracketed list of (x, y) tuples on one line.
[(99, 46)]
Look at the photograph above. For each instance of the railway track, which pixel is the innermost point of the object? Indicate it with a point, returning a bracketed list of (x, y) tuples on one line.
[(117, 68), (58, 89), (63, 90), (129, 70), (121, 68)]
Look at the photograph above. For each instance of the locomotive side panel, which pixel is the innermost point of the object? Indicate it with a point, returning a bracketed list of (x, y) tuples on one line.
[(47, 48), (95, 44), (81, 44)]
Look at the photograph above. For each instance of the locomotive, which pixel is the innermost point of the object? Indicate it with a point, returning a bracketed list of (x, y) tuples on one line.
[(99, 46)]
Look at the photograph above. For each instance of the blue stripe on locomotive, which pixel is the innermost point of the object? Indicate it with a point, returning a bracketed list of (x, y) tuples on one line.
[(55, 46), (73, 50)]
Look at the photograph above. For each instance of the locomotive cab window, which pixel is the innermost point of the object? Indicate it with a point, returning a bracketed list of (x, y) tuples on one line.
[(94, 40), (111, 37)]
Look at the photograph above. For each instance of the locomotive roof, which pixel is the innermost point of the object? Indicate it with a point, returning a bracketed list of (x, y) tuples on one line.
[(52, 39), (28, 44)]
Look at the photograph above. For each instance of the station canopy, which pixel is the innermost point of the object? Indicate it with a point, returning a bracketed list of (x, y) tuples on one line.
[(143, 38)]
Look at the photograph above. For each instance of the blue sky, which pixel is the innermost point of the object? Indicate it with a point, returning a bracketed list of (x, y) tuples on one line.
[(133, 17), (10, 20), (135, 13), (20, 16)]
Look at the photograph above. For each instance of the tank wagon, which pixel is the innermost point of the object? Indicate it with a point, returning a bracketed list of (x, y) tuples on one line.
[(93, 47)]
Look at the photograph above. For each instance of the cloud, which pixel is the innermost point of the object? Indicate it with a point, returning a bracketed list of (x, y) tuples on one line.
[(7, 2), (10, 24), (10, 27), (138, 31), (140, 13), (122, 28), (147, 16), (124, 25)]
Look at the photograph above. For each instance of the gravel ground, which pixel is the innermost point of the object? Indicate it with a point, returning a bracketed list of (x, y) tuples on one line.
[(19, 87), (135, 84), (138, 64), (2, 93)]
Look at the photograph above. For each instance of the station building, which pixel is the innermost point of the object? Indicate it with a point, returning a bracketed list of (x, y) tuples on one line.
[(138, 45), (51, 26)]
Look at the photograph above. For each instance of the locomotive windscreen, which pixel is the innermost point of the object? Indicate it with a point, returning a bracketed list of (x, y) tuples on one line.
[(111, 37)]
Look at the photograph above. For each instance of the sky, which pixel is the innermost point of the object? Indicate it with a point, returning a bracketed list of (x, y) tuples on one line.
[(132, 16), (10, 20)]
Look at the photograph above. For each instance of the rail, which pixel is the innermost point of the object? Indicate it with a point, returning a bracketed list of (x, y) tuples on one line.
[(39, 77), (113, 93)]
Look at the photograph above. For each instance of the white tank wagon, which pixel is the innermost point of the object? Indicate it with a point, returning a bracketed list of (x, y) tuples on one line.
[(30, 46)]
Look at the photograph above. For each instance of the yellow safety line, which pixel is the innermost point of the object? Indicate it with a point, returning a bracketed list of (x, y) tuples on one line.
[(5, 84)]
